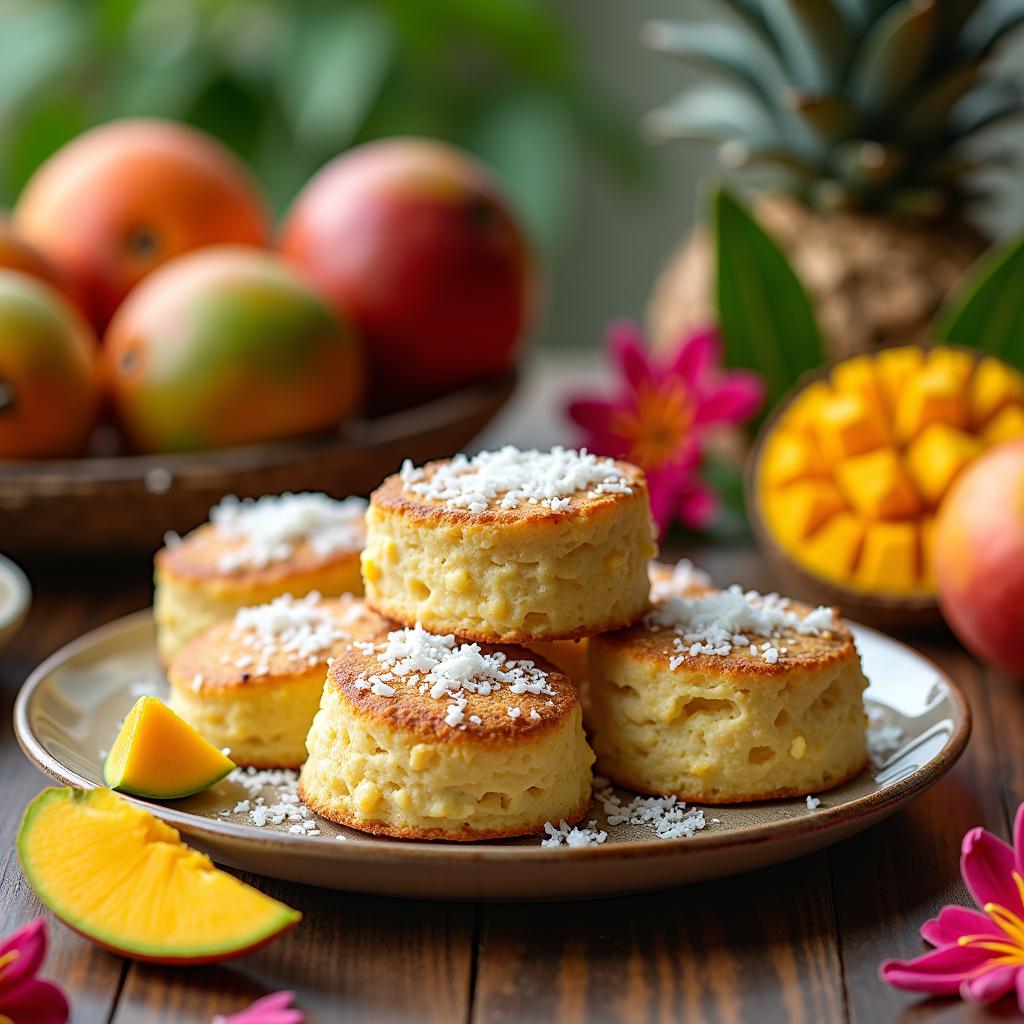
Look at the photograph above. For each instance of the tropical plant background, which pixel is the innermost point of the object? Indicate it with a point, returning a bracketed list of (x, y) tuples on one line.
[(549, 92)]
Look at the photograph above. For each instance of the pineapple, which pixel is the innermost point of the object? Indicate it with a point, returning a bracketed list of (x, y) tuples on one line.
[(856, 122)]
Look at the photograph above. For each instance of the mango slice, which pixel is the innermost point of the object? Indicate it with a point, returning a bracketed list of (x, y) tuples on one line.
[(159, 755), (850, 474), (119, 876)]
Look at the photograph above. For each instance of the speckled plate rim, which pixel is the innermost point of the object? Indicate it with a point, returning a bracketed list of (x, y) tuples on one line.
[(396, 851), (15, 605)]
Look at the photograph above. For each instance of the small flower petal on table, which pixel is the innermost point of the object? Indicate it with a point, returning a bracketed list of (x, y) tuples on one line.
[(980, 954), (273, 1009), (24, 998)]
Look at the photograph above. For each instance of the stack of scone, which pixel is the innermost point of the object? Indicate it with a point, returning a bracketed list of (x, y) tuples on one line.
[(443, 715), (447, 726)]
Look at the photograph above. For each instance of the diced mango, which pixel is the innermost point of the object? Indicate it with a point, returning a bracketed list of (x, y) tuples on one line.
[(832, 550), (877, 486), (857, 376), (791, 455), (1005, 426), (848, 424), (804, 506), (955, 361), (995, 386), (895, 366), (928, 552), (889, 557), (935, 395), (802, 412), (936, 456)]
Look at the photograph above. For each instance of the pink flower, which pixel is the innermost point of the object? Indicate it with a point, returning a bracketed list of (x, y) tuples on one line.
[(273, 1009), (660, 417), (978, 955), (24, 999)]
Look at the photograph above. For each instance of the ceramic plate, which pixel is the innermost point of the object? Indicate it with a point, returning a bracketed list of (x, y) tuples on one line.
[(69, 710), (15, 597)]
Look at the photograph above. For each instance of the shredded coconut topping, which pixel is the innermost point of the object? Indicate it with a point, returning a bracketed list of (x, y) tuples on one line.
[(717, 623), (447, 670), (884, 738), (509, 478), (667, 816), (299, 626), (685, 576), (270, 527), (564, 835), (813, 803)]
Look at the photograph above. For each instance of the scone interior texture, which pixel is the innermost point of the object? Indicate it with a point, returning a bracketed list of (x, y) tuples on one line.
[(728, 697), (250, 552), (252, 684), (511, 546), (425, 737)]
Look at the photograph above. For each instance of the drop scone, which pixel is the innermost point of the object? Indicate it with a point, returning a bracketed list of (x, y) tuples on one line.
[(252, 684), (511, 545), (683, 579), (421, 736), (728, 697), (250, 552)]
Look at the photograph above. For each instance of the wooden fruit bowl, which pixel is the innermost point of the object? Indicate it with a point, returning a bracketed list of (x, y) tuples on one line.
[(123, 505)]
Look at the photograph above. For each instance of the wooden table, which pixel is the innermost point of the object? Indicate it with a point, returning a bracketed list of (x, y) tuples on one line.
[(800, 942)]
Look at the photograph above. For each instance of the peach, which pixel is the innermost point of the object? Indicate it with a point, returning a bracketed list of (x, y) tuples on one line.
[(413, 241), (979, 556)]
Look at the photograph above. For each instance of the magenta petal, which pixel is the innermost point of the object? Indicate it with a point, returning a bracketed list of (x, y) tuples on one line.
[(698, 507), (939, 973), (661, 490), (735, 398), (989, 985), (626, 347), (953, 922), (1020, 990), (35, 1002), (30, 943), (987, 864), (698, 354), (590, 413), (1018, 840)]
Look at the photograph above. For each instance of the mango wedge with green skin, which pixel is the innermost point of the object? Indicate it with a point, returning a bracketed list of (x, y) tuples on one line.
[(160, 756), (117, 875)]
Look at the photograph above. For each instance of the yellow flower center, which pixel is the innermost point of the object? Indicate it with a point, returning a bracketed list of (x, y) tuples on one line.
[(656, 427), (1011, 950), (5, 961)]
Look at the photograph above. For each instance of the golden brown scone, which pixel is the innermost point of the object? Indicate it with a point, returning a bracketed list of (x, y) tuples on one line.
[(253, 684), (251, 552), (728, 697), (511, 546), (425, 737)]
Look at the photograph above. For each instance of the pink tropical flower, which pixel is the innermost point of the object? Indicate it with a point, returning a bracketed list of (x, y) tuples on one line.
[(24, 999), (979, 954), (660, 417), (272, 1009)]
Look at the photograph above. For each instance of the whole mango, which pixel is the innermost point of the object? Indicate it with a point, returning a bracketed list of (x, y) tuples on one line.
[(413, 240), (49, 396), (123, 198), (228, 346)]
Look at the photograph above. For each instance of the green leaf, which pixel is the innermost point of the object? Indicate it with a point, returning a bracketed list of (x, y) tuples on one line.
[(765, 316), (989, 311), (814, 39), (715, 113)]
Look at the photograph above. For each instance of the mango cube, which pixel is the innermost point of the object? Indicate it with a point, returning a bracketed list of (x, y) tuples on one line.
[(1005, 426), (877, 486), (857, 376), (806, 506), (928, 552), (955, 361), (889, 558), (802, 412), (936, 457), (936, 395), (895, 366), (848, 424), (792, 455), (832, 550), (995, 386)]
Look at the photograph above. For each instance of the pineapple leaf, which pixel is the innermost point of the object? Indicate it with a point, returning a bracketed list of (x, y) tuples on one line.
[(713, 112), (743, 58), (813, 38), (989, 313), (990, 25), (892, 55), (765, 316), (829, 117), (928, 115), (991, 101)]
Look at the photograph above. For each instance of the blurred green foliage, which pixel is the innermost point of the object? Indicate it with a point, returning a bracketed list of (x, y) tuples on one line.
[(290, 83)]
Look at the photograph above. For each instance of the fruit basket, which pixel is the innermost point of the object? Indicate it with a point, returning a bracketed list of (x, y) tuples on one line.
[(125, 504)]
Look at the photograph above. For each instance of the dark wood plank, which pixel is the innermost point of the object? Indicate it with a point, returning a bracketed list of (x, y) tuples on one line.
[(64, 607), (760, 947), (353, 959)]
